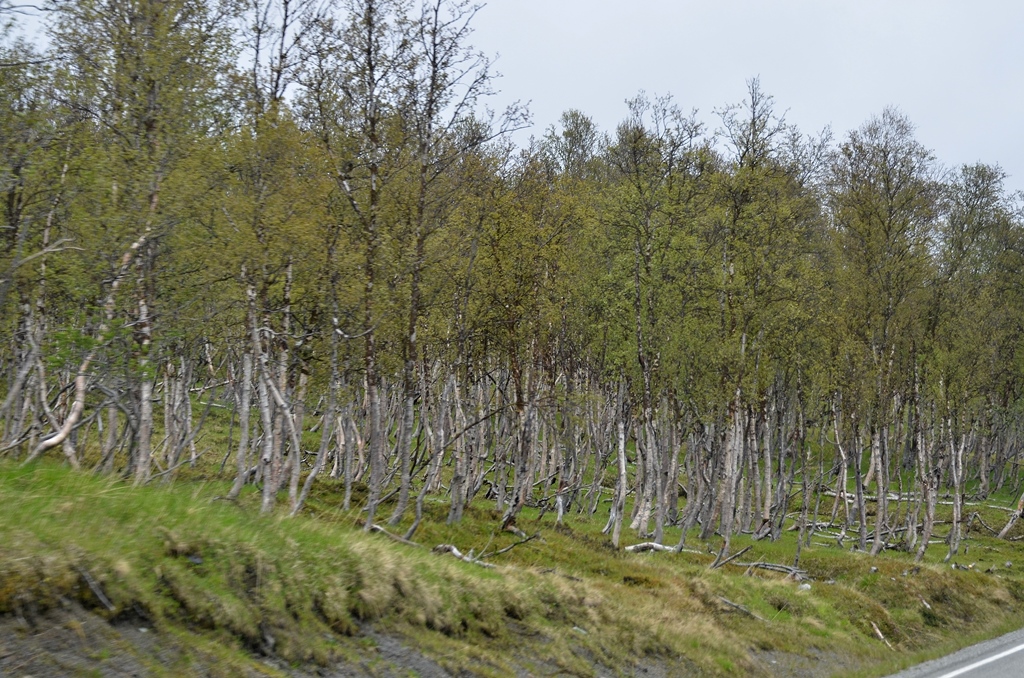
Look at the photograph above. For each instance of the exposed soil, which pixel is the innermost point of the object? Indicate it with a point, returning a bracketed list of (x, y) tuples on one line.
[(817, 664), (71, 641)]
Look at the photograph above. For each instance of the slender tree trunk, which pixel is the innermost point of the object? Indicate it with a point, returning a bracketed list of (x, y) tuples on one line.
[(460, 463), (1014, 517), (878, 441), (144, 460), (243, 395), (730, 479), (436, 456), (297, 414), (956, 462), (805, 457), (766, 510), (862, 509), (930, 476), (695, 489), (109, 445), (328, 428), (619, 507)]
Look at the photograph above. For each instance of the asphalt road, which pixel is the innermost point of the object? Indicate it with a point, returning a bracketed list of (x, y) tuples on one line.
[(998, 658)]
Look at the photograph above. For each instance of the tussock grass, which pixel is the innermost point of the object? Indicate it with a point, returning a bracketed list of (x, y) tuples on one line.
[(175, 558), (235, 586)]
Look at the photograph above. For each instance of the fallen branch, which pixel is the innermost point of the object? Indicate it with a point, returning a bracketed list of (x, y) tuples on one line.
[(649, 546), (878, 633), (913, 496), (741, 608), (181, 463), (510, 547), (400, 540), (995, 507), (551, 570), (750, 568), (514, 530), (794, 572), (468, 558), (816, 526), (977, 516), (715, 565), (661, 548)]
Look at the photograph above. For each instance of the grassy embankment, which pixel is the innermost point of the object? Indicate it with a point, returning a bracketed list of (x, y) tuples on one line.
[(232, 587)]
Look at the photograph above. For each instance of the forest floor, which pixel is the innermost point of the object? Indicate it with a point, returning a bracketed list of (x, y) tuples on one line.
[(100, 578)]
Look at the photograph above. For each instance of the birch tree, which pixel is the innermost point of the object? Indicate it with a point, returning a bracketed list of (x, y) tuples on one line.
[(143, 76)]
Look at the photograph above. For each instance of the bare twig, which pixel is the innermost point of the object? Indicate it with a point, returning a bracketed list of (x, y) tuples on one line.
[(95, 588), (468, 558), (977, 516)]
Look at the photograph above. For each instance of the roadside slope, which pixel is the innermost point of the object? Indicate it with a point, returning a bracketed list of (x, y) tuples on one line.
[(221, 591)]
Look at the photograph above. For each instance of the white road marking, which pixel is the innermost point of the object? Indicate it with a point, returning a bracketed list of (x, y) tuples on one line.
[(983, 662)]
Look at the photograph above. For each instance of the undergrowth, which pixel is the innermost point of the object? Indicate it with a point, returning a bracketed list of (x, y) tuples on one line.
[(303, 590)]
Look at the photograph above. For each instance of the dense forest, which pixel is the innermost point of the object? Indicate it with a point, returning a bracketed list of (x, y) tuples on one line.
[(305, 214)]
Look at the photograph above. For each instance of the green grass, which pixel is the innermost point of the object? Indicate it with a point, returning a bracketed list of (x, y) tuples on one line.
[(232, 586)]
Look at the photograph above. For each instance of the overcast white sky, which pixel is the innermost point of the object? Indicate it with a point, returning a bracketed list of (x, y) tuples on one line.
[(956, 69)]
